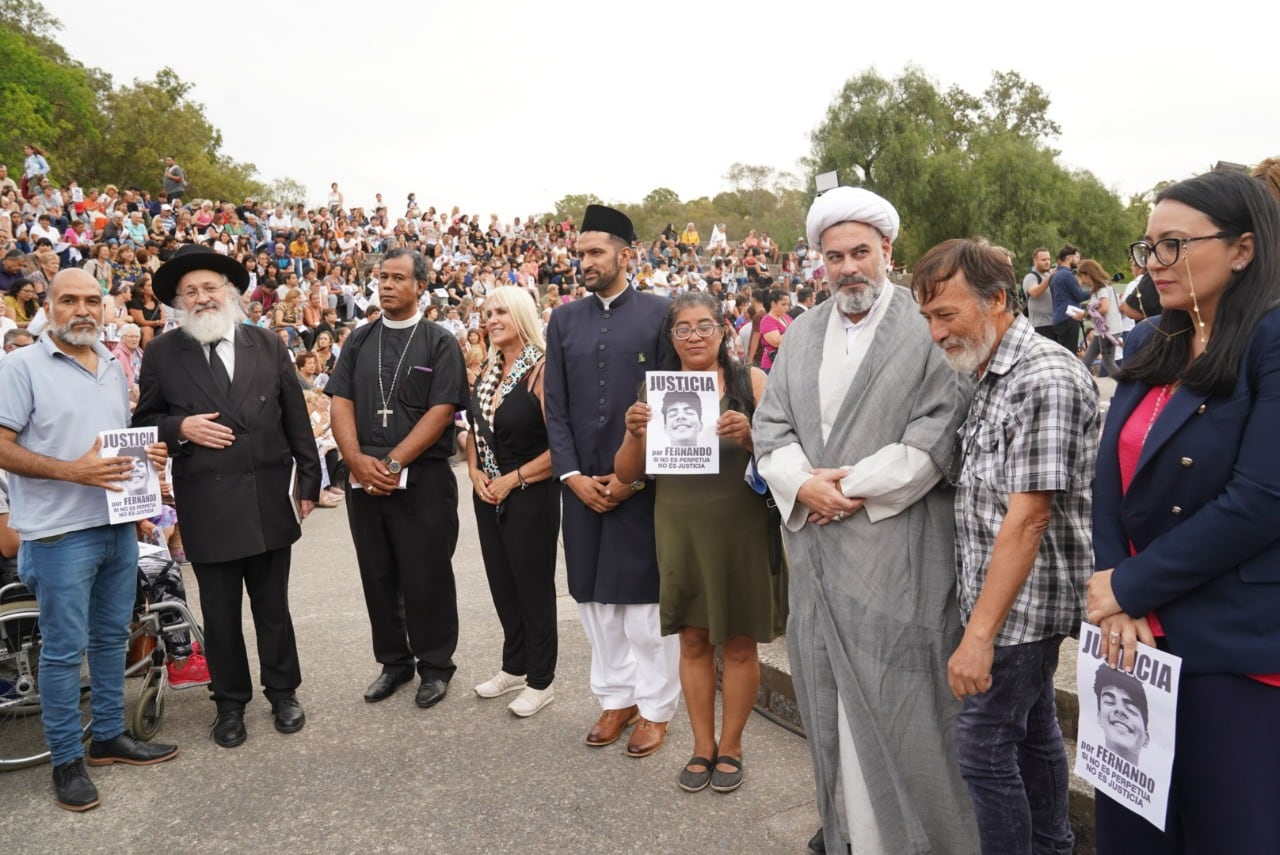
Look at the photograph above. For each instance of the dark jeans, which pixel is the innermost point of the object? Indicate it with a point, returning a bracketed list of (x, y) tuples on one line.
[(1010, 752), (85, 582)]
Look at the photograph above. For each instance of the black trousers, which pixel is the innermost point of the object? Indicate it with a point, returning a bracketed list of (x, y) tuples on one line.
[(519, 549), (1068, 334), (1225, 789), (404, 546), (266, 577)]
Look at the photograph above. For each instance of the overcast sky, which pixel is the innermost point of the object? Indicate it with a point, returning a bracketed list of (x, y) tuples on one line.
[(506, 106)]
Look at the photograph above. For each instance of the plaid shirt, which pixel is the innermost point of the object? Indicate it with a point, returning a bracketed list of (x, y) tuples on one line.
[(1033, 426)]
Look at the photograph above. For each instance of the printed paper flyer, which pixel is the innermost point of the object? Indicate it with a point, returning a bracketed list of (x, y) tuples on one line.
[(140, 497), (1127, 725), (681, 438)]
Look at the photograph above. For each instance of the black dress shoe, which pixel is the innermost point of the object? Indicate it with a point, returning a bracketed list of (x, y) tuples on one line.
[(72, 788), (288, 714), (818, 843), (386, 684), (228, 728), (126, 748), (431, 692)]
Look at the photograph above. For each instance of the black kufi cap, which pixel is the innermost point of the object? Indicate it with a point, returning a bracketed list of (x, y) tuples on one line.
[(601, 218)]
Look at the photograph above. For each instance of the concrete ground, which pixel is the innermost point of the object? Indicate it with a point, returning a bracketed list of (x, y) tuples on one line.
[(463, 777)]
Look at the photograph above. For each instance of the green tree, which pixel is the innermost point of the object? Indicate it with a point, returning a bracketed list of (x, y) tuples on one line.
[(574, 204), (957, 164), (46, 101), (286, 191), (132, 152)]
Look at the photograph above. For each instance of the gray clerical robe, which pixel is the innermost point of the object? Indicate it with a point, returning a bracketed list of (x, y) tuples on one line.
[(874, 617)]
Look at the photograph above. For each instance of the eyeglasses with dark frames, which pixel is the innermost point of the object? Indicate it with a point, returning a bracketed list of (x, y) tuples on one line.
[(1168, 250), (706, 329)]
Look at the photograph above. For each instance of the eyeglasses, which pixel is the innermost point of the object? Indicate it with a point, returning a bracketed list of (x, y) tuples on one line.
[(684, 332), (208, 289), (1169, 250)]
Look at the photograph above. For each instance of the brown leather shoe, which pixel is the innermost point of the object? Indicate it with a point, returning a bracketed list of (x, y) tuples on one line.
[(610, 725), (646, 738)]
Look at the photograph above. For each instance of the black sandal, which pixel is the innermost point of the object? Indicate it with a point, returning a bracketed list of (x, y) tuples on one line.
[(692, 782), (726, 782)]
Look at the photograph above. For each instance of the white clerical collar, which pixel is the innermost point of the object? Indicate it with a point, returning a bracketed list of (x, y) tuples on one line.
[(401, 325), (608, 301)]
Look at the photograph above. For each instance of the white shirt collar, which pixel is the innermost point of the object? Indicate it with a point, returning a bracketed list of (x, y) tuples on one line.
[(608, 301), (402, 325)]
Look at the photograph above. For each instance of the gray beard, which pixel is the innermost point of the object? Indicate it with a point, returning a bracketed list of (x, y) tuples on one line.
[(970, 355), (209, 327), (77, 338), (859, 302)]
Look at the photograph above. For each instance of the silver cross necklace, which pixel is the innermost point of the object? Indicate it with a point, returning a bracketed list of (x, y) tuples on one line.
[(386, 398)]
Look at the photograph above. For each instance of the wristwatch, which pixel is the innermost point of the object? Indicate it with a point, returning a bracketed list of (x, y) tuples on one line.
[(392, 464), (637, 485)]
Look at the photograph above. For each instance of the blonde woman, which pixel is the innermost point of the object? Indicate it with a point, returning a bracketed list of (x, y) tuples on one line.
[(516, 499)]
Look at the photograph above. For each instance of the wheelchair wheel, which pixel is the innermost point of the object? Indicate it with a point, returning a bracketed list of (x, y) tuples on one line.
[(147, 714), (22, 741)]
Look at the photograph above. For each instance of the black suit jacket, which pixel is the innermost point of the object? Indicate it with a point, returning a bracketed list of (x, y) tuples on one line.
[(232, 502)]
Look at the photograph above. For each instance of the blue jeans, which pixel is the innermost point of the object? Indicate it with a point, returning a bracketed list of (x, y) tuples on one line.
[(1010, 752), (85, 583)]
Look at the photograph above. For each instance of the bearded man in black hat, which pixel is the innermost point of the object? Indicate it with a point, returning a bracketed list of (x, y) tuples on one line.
[(598, 350), (226, 401)]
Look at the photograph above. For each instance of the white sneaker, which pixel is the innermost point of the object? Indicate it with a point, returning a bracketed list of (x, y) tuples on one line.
[(500, 685), (531, 700)]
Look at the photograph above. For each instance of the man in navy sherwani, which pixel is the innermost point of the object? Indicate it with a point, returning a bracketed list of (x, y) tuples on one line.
[(598, 350)]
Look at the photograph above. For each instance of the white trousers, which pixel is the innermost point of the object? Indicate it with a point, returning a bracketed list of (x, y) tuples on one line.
[(632, 662), (864, 834)]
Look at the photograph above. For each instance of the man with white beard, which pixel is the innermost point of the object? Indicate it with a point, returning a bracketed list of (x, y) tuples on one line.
[(55, 398), (227, 402), (854, 434), (1023, 546)]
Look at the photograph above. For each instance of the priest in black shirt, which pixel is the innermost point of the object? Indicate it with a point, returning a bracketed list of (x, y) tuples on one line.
[(395, 389)]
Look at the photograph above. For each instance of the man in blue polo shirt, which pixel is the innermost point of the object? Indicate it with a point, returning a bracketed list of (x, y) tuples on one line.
[(55, 397)]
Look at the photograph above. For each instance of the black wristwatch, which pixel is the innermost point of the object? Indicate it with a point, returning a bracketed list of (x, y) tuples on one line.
[(637, 485), (392, 464)]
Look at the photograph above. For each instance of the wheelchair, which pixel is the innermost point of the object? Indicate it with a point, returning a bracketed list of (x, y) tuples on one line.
[(22, 740)]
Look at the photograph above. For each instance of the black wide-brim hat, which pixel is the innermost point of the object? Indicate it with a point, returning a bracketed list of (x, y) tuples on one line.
[(194, 257)]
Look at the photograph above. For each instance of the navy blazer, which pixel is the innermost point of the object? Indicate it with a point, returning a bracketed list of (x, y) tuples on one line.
[(1202, 512)]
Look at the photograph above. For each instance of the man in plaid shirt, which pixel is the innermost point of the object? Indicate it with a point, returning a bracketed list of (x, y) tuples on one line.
[(1024, 460)]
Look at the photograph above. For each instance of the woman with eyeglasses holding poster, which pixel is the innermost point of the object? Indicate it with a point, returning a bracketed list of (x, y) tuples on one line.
[(1186, 503), (722, 575)]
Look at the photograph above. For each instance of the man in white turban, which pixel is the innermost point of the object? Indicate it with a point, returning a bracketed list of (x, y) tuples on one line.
[(856, 462)]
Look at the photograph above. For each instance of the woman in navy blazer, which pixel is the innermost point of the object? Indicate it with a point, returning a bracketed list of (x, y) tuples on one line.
[(1187, 513)]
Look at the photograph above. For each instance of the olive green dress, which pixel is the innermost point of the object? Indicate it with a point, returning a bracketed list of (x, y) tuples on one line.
[(713, 536)]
